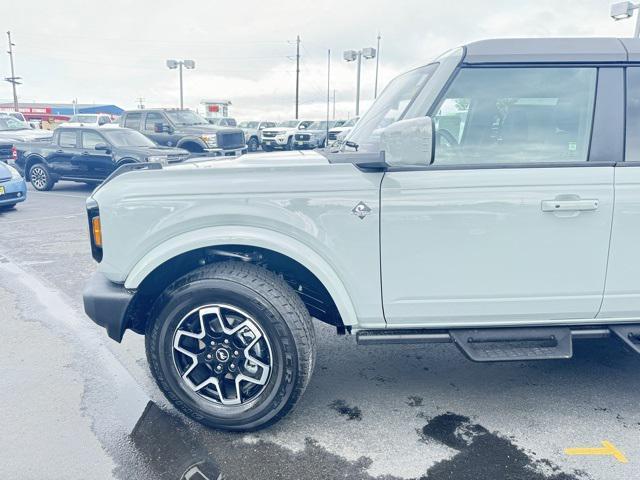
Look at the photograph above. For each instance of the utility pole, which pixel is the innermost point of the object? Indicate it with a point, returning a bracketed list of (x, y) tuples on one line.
[(140, 103), (297, 73), (13, 80), (375, 90), (326, 141)]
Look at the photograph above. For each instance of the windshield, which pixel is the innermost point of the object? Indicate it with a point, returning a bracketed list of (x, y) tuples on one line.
[(318, 126), (248, 124), (185, 117), (84, 119), (390, 107), (289, 124), (127, 138), (10, 123)]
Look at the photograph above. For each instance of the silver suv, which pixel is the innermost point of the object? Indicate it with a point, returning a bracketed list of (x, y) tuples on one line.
[(487, 199)]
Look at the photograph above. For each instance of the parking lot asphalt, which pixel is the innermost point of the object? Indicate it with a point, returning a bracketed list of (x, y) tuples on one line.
[(77, 405)]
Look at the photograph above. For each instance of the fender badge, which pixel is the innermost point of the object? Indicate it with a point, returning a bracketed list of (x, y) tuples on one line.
[(361, 210)]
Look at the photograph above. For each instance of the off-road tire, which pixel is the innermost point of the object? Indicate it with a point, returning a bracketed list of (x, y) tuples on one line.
[(281, 315), (253, 144)]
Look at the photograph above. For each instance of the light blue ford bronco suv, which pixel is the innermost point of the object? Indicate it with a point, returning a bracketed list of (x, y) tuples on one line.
[(490, 199)]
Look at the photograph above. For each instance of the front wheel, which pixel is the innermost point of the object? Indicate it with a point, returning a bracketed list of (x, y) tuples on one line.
[(231, 345), (253, 144), (289, 145), (41, 177)]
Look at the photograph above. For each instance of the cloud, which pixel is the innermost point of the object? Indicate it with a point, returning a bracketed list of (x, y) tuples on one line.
[(115, 52)]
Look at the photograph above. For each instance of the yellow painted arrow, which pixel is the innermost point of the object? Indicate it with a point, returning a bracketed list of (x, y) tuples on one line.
[(607, 448)]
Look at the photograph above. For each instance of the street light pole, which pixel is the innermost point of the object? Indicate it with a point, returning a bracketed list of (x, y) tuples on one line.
[(350, 56), (624, 10), (189, 65), (358, 83), (375, 89)]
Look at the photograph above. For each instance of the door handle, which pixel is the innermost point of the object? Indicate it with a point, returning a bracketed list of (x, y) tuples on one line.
[(85, 153), (569, 205), (59, 151)]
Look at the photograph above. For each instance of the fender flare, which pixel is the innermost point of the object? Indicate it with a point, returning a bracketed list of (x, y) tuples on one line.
[(30, 159), (251, 237), (191, 139)]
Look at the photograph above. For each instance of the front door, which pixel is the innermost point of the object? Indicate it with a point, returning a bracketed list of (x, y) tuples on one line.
[(511, 222), (94, 164)]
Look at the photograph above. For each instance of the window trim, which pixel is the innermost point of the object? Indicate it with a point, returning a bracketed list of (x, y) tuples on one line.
[(597, 98), (82, 133), (74, 131), (128, 115)]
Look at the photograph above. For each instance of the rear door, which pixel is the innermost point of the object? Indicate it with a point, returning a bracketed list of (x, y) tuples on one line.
[(60, 159), (511, 223), (622, 292)]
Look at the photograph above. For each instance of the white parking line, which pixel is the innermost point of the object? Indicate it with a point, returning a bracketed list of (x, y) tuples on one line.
[(38, 219), (58, 194)]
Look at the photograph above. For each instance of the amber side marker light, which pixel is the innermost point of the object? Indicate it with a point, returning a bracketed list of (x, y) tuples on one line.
[(97, 231)]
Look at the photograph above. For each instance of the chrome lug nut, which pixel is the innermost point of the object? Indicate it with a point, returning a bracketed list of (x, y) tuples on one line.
[(226, 341), (219, 368), (232, 367), (209, 356), (236, 353)]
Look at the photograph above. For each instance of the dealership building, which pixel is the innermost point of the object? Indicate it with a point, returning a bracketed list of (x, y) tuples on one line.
[(59, 112)]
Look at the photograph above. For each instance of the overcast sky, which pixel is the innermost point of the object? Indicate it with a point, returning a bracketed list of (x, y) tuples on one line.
[(114, 51)]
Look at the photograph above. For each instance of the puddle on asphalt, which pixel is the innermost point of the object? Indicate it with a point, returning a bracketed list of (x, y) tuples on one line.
[(176, 449)]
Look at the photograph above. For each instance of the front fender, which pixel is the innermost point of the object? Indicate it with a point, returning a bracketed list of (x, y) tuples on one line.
[(192, 139), (247, 236)]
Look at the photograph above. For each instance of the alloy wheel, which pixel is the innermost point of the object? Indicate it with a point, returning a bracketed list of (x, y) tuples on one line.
[(222, 354), (38, 177)]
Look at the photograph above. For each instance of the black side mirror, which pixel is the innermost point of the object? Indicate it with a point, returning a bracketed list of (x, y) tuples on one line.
[(160, 127), (102, 121), (101, 146)]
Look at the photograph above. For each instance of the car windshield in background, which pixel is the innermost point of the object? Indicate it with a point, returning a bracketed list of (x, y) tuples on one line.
[(338, 123), (390, 107), (248, 124), (289, 124), (349, 123), (127, 138), (186, 117), (10, 123), (84, 119), (318, 126)]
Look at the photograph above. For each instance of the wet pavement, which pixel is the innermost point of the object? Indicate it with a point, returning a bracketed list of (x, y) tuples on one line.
[(77, 405)]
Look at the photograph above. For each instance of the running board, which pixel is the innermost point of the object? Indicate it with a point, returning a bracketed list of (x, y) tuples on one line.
[(505, 344), (629, 334)]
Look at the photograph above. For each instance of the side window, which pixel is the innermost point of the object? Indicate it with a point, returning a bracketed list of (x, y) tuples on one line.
[(132, 120), (152, 119), (633, 115), (67, 139), (516, 115), (91, 139)]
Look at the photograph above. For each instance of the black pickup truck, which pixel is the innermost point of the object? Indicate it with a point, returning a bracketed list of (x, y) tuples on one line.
[(186, 129), (87, 154)]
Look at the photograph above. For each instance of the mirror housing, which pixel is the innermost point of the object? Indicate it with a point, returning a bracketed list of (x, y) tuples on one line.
[(409, 142), (160, 127), (101, 146)]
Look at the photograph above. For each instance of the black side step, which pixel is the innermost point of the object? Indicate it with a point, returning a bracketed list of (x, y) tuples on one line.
[(629, 334), (513, 344)]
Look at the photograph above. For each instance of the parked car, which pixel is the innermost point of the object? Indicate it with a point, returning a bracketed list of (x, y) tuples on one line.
[(489, 199), (253, 132), (223, 121), (315, 135), (88, 154), (13, 188), (14, 130), (186, 129), (88, 120), (281, 136), (340, 131), (6, 150)]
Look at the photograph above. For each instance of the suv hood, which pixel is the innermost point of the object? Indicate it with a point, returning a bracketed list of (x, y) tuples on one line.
[(258, 161), (148, 151), (202, 129)]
